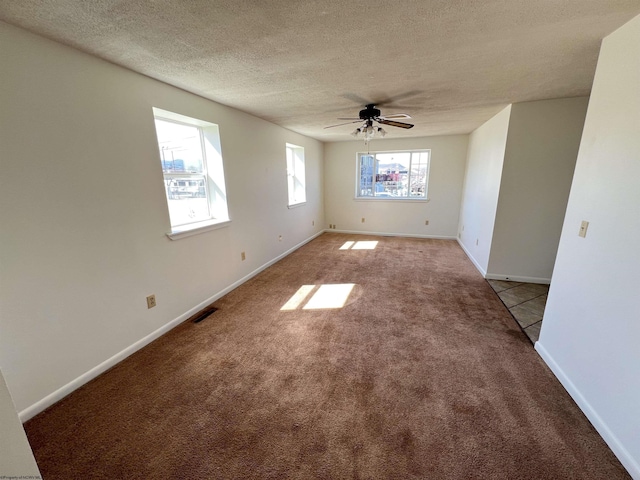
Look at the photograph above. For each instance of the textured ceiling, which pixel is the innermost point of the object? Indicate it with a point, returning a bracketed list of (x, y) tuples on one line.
[(450, 64)]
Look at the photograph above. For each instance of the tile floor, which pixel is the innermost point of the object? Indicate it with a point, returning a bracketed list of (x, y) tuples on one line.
[(525, 301)]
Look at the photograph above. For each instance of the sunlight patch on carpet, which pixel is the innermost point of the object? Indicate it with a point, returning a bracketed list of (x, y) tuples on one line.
[(369, 245), (361, 245), (330, 296), (298, 297), (326, 296)]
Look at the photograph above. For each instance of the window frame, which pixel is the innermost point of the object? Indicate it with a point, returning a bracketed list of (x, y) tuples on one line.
[(296, 180), (358, 190), (212, 174)]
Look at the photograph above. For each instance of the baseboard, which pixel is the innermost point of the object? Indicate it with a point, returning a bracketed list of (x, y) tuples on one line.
[(517, 278), (391, 234), (65, 390), (86, 377), (473, 260), (509, 278), (608, 436)]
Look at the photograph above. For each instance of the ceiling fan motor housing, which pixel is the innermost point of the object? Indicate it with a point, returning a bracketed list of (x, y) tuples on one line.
[(369, 112)]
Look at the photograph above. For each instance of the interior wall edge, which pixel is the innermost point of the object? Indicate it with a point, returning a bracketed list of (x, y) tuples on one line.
[(16, 457), (473, 260), (86, 377), (592, 415)]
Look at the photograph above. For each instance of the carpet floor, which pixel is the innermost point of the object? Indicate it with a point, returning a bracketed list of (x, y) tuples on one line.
[(387, 360)]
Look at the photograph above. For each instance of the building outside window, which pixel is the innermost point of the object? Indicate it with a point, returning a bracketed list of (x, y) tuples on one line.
[(393, 175)]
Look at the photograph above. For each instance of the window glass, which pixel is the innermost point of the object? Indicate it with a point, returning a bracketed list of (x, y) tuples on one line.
[(296, 184), (180, 147), (192, 168), (367, 165), (183, 166), (393, 175)]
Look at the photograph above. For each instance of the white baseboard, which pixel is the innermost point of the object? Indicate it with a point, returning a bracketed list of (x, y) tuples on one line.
[(608, 436), (473, 260), (509, 278), (86, 377), (390, 234), (65, 390), (517, 278)]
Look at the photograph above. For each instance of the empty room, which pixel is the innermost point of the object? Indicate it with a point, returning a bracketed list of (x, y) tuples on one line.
[(251, 240)]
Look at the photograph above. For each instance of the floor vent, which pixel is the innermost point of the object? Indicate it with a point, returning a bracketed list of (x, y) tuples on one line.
[(202, 314)]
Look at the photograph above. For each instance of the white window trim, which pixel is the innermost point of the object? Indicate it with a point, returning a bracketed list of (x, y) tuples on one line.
[(186, 230), (296, 205), (290, 174), (358, 198), (390, 199), (197, 228)]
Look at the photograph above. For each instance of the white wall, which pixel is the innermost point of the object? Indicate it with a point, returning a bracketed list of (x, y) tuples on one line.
[(392, 216), (16, 458), (591, 330), (484, 163), (84, 214), (540, 157)]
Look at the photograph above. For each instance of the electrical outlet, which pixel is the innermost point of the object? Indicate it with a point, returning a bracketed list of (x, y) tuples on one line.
[(426, 222), (151, 301), (279, 238), (362, 219), (583, 229), (243, 256)]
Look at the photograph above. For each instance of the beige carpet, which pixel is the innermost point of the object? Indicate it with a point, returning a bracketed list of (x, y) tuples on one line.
[(421, 374)]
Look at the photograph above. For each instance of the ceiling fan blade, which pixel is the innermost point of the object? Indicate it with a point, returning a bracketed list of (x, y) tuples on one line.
[(395, 115), (393, 123), (355, 98), (346, 123), (402, 106), (349, 118), (389, 100)]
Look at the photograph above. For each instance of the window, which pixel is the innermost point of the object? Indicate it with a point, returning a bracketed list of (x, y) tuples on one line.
[(295, 175), (393, 175), (191, 160)]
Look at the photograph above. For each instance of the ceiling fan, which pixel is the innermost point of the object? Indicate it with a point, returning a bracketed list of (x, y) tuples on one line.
[(372, 114)]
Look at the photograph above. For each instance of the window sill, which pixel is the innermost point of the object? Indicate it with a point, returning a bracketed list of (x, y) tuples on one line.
[(296, 205), (391, 199), (197, 228)]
